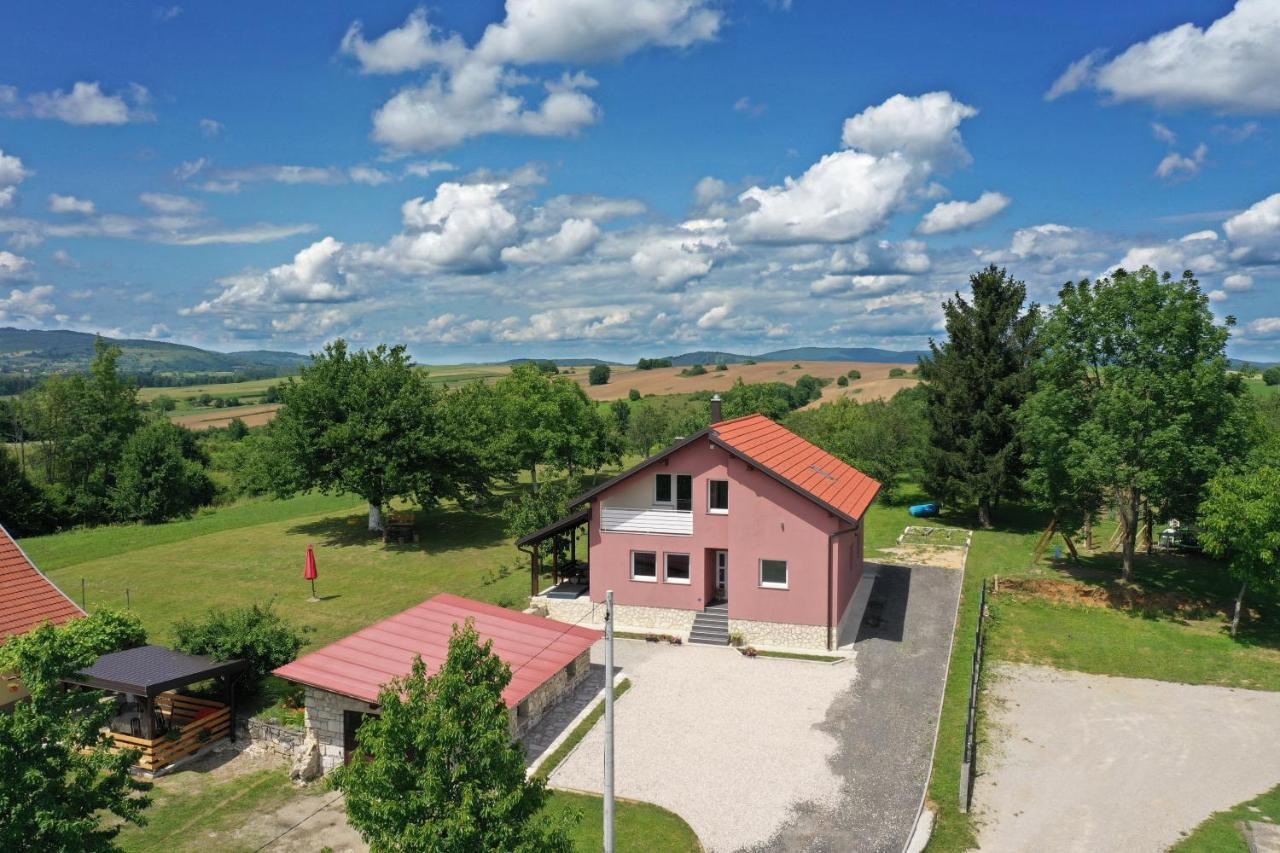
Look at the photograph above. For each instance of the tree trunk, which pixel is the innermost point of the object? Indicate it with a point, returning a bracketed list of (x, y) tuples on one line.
[(1149, 527), (1088, 532), (1235, 617), (375, 517), (984, 513), (533, 475), (1129, 527)]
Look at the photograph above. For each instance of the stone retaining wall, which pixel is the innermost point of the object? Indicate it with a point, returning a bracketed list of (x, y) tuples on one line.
[(278, 740), (780, 634), (541, 700), (583, 611)]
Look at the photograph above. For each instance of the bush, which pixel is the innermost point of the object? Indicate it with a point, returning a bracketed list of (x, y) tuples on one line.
[(842, 381), (652, 363), (1271, 375), (256, 634), (693, 370), (237, 429), (855, 375), (720, 365), (158, 478), (897, 372), (599, 375), (164, 403), (633, 395), (99, 633)]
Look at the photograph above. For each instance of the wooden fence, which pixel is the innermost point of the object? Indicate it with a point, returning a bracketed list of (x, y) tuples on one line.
[(191, 734), (970, 745)]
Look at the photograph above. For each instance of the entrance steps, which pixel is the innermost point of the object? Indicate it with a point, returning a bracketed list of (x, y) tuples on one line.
[(711, 626)]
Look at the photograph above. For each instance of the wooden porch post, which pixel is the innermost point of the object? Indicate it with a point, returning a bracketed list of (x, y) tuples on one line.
[(533, 568), (555, 559), (148, 728)]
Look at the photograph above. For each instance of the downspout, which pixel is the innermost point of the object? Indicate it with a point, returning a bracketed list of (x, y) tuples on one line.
[(831, 541)]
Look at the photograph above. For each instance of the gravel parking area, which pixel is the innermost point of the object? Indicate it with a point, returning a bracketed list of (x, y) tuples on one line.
[(1083, 762), (729, 743)]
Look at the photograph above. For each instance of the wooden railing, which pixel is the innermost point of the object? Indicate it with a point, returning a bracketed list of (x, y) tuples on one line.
[(618, 519), (192, 734)]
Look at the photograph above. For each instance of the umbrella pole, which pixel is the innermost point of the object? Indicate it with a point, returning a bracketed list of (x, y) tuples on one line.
[(313, 590)]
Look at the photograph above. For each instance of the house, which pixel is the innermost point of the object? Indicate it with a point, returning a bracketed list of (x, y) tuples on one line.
[(343, 679), (743, 527), (27, 599)]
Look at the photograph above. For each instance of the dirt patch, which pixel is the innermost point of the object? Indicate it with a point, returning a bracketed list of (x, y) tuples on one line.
[(1118, 596), (218, 418), (926, 555), (864, 390), (875, 380)]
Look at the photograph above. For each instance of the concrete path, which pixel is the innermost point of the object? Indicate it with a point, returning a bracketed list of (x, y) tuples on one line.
[(729, 743), (1078, 762), (885, 725)]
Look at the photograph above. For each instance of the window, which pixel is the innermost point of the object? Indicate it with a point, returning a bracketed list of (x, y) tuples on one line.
[(683, 491), (644, 566), (677, 568), (522, 710), (718, 496), (773, 574)]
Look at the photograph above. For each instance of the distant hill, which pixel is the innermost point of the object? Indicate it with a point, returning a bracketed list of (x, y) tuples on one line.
[(40, 352), (879, 356), (563, 362)]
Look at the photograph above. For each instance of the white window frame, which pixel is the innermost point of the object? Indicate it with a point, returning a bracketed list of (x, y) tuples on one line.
[(769, 584), (642, 578), (666, 576), (671, 490), (675, 490), (714, 510)]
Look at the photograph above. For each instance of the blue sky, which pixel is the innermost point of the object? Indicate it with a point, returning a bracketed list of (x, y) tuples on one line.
[(607, 178)]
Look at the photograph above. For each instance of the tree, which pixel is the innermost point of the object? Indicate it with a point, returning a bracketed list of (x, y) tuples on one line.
[(599, 374), (1240, 520), (854, 374), (842, 381), (771, 399), (237, 429), (898, 372), (61, 777), (620, 411), (1135, 401), (633, 395), (158, 478), (437, 769), (25, 510), (1271, 375), (646, 428), (974, 384), (369, 423)]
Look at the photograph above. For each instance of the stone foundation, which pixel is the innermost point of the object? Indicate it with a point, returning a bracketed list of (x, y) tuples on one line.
[(325, 721), (584, 611), (779, 634), (541, 700)]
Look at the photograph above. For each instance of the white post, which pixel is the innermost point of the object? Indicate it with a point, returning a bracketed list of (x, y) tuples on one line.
[(608, 722)]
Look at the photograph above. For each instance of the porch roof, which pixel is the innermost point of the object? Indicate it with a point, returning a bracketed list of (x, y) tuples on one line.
[(567, 523), (151, 670)]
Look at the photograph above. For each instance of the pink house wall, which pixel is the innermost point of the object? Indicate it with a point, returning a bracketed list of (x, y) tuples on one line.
[(766, 520)]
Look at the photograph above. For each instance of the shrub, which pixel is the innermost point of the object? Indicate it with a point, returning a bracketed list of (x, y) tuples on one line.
[(896, 372), (749, 361), (1271, 375), (256, 634), (855, 375), (237, 429), (842, 381), (599, 374), (652, 363), (797, 366), (720, 365), (693, 370), (633, 395)]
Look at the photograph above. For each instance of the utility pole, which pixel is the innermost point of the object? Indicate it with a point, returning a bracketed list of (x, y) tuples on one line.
[(608, 722)]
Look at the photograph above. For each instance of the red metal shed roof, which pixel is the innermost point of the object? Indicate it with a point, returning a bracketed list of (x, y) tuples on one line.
[(359, 665), (27, 597), (805, 466)]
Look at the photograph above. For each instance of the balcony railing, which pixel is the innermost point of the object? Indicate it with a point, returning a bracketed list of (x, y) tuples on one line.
[(619, 519)]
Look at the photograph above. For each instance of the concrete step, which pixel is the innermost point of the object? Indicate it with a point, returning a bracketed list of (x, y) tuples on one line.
[(709, 641)]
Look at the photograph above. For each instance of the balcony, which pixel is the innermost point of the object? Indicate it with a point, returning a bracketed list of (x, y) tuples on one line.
[(658, 520)]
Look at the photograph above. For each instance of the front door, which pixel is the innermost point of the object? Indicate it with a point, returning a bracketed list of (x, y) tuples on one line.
[(722, 575)]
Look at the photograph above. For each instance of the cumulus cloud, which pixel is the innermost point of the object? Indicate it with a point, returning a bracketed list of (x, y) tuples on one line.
[(924, 128), (424, 168), (880, 257), (1204, 252), (70, 204), (1238, 282), (1078, 74), (708, 190), (87, 104), (676, 257), (12, 173), (475, 91), (1175, 165), (27, 305), (1164, 134), (13, 266), (463, 229), (956, 215), (1256, 231), (599, 323), (575, 237), (597, 208), (316, 275), (368, 175), (1231, 65)]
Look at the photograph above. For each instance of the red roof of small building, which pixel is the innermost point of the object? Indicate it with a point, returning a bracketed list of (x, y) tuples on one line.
[(358, 666), (27, 597), (801, 464)]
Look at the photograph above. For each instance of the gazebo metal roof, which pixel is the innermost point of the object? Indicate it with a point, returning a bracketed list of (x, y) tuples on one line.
[(151, 670)]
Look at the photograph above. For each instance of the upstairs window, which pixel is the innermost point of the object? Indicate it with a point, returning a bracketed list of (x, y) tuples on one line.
[(674, 490), (718, 496)]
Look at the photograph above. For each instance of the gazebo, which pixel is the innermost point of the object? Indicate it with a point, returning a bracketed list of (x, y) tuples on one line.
[(150, 714), (568, 579)]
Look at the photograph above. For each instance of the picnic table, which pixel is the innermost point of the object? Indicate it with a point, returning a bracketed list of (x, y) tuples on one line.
[(399, 526)]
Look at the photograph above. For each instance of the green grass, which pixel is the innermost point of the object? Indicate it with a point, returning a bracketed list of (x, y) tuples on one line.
[(639, 827), (580, 731), (1219, 833), (797, 656)]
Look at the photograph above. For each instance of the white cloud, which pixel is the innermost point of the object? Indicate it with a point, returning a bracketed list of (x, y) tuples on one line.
[(211, 127), (924, 128), (676, 257), (368, 175), (28, 305), (316, 275), (955, 215), (425, 168), (709, 189), (749, 107), (414, 44), (70, 204), (166, 13), (1175, 165), (1231, 65), (880, 257), (63, 258), (1257, 231), (13, 266), (1238, 282), (463, 228), (597, 208), (1202, 252), (12, 173), (575, 237), (1164, 134), (87, 104), (168, 203), (284, 174), (1078, 74), (1217, 295)]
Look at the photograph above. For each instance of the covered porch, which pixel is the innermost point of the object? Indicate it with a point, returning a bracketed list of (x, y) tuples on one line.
[(151, 713), (558, 541)]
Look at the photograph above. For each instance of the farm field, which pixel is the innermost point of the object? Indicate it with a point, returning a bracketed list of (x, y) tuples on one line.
[(875, 381), (207, 418)]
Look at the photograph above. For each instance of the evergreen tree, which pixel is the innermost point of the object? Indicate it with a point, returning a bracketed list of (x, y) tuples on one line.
[(974, 384)]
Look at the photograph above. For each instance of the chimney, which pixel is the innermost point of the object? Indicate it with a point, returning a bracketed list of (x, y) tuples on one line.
[(715, 408)]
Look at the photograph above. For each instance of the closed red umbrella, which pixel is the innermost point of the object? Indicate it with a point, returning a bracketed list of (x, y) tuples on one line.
[(310, 572)]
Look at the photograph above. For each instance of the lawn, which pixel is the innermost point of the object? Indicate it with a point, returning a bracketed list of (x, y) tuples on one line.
[(1219, 833)]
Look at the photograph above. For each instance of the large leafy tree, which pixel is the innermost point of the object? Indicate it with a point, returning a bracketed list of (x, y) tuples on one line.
[(974, 384), (437, 769), (369, 423), (24, 508), (61, 778), (160, 475), (1135, 402), (1240, 520)]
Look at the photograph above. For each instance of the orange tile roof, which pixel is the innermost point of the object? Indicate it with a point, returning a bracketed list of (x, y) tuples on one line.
[(804, 466), (27, 597)]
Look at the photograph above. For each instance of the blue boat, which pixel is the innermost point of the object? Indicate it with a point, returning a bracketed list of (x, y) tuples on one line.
[(924, 510)]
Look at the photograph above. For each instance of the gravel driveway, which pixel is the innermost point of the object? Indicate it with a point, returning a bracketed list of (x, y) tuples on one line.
[(1093, 762), (728, 743)]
